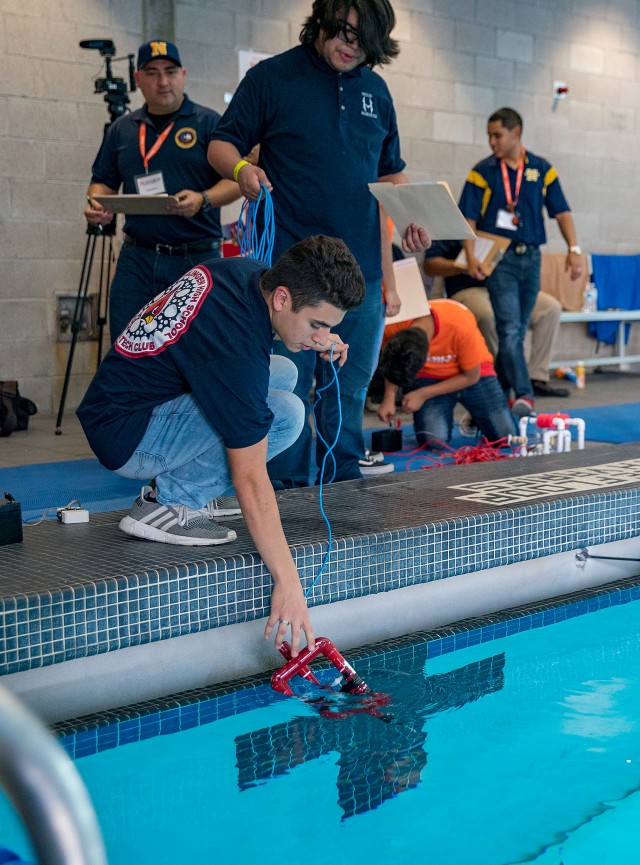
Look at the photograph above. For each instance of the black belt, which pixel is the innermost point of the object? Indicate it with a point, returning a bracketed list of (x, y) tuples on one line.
[(176, 249), (520, 248)]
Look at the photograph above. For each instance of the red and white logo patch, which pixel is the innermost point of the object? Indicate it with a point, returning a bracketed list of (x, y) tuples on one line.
[(166, 317)]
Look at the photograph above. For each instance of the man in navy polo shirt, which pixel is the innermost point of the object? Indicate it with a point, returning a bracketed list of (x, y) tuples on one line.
[(326, 127), (160, 148), (504, 194), (189, 394)]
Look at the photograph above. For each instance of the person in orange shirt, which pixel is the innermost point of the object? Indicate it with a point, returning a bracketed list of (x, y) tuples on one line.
[(439, 360)]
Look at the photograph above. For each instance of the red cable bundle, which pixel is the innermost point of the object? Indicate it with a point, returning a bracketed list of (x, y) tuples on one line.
[(482, 452)]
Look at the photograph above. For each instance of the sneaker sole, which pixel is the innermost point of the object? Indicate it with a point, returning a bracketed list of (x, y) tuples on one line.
[(227, 514), (377, 469), (149, 533)]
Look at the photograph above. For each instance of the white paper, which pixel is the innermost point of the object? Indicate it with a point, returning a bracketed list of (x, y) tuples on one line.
[(410, 287), (429, 205), (481, 248)]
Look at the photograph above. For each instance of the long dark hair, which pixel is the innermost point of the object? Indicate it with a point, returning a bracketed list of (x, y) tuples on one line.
[(376, 20)]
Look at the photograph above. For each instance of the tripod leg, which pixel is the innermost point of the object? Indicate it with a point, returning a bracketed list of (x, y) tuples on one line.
[(78, 312), (103, 293)]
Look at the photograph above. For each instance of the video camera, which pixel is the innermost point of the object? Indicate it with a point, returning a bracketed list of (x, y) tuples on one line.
[(115, 89)]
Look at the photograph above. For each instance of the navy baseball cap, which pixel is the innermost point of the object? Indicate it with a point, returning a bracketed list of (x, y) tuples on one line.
[(157, 49)]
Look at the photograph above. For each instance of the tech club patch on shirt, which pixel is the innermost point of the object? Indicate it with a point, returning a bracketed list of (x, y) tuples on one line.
[(163, 321)]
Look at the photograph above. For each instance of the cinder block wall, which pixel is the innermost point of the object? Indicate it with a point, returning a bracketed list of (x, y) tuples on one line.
[(460, 60)]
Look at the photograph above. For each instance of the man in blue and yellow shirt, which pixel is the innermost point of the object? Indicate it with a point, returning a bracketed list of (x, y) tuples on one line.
[(504, 194)]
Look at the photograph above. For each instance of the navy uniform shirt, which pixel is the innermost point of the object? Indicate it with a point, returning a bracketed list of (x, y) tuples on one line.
[(323, 137), (183, 162), (208, 334), (483, 195)]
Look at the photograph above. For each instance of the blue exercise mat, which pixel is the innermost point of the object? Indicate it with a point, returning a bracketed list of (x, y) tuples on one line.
[(50, 485), (611, 423)]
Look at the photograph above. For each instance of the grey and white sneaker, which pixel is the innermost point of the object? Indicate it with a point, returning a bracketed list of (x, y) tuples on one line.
[(224, 507), (173, 524), (373, 463)]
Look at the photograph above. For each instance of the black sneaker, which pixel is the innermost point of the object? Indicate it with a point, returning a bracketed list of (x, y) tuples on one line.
[(373, 464), (543, 388)]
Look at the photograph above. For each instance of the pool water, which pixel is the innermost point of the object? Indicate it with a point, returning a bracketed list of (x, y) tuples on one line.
[(522, 749)]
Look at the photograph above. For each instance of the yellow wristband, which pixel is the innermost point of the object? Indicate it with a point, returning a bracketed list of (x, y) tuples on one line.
[(238, 167)]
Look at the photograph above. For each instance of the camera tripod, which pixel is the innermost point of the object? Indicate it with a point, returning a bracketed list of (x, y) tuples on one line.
[(105, 233), (116, 98)]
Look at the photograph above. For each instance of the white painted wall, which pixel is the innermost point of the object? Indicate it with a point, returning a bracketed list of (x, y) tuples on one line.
[(460, 60)]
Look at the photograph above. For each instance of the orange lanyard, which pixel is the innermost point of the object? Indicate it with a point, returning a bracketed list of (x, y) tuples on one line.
[(511, 203), (142, 140)]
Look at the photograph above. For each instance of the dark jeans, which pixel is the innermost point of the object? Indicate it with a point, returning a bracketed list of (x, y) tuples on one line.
[(140, 275), (362, 329), (485, 401), (513, 287)]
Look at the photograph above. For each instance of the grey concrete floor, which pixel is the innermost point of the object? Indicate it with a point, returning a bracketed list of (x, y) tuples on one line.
[(40, 444)]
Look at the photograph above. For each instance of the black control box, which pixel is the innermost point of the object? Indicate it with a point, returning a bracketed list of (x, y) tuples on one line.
[(10, 520)]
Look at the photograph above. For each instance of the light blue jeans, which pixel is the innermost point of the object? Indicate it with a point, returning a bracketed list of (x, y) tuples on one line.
[(186, 454)]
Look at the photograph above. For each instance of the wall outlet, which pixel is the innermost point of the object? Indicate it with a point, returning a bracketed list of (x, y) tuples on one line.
[(65, 311)]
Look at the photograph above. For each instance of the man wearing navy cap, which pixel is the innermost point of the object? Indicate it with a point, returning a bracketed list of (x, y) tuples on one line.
[(160, 148)]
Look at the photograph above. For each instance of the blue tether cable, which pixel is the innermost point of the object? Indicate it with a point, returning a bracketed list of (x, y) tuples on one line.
[(253, 245), (328, 453), (261, 248)]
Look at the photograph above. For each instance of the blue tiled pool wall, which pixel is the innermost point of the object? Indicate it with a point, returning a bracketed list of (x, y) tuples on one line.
[(98, 617), (85, 736)]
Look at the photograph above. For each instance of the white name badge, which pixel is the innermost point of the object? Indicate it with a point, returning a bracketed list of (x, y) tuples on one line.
[(505, 220), (150, 184)]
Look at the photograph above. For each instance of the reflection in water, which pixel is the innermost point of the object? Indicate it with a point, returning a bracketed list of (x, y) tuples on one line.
[(377, 760)]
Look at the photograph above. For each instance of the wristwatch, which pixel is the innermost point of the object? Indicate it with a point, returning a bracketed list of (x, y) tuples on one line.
[(576, 249), (206, 204)]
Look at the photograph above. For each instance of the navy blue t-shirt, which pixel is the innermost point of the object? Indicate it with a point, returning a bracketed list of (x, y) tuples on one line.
[(183, 161), (208, 334), (323, 135), (483, 195)]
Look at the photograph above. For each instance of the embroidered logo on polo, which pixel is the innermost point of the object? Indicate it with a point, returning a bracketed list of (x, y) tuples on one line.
[(186, 137), (163, 321), (367, 105), (532, 174)]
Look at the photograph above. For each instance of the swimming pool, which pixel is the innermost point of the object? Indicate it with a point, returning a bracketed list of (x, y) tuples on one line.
[(509, 742)]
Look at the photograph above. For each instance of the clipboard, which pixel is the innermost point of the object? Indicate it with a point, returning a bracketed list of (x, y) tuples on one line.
[(140, 205), (489, 248), (429, 204), (410, 287)]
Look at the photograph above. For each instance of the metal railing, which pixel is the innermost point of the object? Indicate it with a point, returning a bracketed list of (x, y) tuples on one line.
[(46, 790)]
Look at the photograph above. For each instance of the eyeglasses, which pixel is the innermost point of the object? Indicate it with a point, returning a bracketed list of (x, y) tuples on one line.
[(346, 32)]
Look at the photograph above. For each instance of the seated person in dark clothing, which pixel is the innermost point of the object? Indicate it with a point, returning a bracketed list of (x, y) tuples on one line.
[(439, 360), (473, 293)]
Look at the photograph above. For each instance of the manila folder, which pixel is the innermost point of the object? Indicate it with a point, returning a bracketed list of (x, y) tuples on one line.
[(429, 205)]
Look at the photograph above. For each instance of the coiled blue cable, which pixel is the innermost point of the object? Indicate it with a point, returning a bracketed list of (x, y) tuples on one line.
[(252, 243), (328, 453)]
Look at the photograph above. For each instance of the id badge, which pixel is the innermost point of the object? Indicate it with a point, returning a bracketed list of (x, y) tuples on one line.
[(506, 220), (150, 184)]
